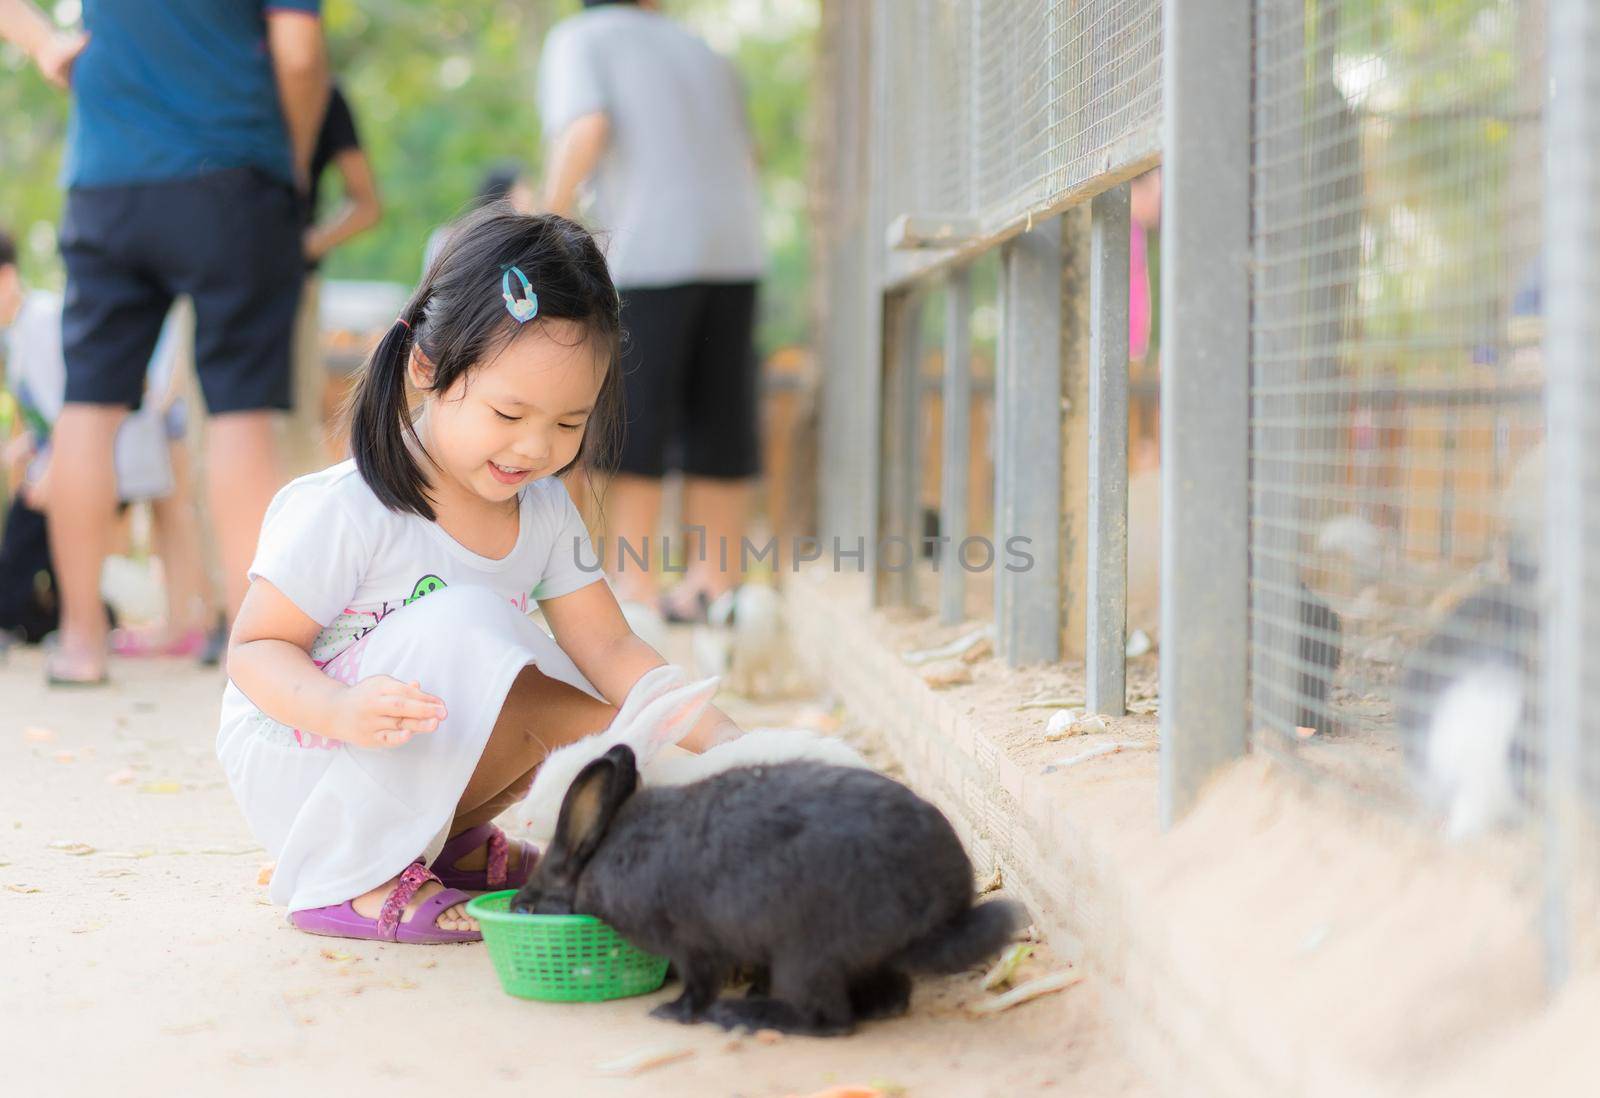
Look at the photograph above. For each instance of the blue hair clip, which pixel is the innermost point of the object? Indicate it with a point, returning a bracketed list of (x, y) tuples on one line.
[(522, 309)]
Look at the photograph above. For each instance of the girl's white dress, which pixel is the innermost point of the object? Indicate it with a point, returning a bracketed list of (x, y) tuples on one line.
[(397, 596)]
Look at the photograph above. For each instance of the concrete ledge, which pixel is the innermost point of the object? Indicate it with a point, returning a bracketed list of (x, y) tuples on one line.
[(1277, 943)]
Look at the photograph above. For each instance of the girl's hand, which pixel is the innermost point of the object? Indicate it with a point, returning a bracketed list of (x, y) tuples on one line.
[(383, 712)]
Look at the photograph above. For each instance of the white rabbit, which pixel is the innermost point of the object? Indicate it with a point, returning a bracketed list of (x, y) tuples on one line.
[(757, 747), (660, 710)]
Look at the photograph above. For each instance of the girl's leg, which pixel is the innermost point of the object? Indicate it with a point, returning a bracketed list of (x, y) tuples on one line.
[(540, 714)]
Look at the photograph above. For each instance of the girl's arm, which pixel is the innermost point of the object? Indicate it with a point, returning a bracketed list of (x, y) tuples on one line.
[(269, 659), (589, 626)]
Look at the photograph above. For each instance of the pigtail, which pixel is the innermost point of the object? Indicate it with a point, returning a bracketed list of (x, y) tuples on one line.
[(381, 420)]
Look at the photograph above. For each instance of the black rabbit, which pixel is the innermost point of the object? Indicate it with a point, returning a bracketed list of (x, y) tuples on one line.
[(833, 883)]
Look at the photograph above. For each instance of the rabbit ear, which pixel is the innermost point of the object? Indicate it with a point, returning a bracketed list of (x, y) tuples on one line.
[(554, 777), (669, 719), (586, 813), (653, 684)]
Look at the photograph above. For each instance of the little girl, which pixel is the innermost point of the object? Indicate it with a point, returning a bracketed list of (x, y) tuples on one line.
[(388, 694)]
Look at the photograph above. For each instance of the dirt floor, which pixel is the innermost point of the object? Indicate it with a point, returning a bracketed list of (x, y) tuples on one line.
[(141, 953)]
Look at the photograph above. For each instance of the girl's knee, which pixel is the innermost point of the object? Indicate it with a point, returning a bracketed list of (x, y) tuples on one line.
[(446, 625), (465, 604)]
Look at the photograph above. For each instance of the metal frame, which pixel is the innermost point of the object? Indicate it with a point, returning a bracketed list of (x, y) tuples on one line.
[(848, 432), (1210, 492), (1047, 342), (1105, 669), (955, 444), (1027, 603), (901, 467), (1205, 301), (1570, 601)]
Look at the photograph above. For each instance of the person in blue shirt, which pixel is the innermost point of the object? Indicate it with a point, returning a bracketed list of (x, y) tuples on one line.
[(192, 130)]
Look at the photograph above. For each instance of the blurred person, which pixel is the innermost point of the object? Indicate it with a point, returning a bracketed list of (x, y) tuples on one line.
[(322, 388), (150, 464), (645, 111), (191, 136), (1144, 221), (1144, 208)]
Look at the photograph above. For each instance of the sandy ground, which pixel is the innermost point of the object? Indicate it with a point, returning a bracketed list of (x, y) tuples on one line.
[(1287, 935), (141, 954)]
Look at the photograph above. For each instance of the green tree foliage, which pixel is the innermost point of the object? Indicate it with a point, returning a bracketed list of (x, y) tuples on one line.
[(33, 128), (444, 88)]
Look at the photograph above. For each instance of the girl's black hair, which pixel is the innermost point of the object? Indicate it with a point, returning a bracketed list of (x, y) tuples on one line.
[(458, 320)]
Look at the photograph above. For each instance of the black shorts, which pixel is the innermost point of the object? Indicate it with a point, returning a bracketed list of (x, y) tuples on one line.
[(229, 239), (690, 379)]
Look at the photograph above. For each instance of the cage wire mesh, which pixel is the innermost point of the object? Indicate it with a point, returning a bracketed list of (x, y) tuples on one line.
[(998, 107), (1396, 386)]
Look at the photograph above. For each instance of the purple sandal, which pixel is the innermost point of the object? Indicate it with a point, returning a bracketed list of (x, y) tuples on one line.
[(497, 872), (343, 921)]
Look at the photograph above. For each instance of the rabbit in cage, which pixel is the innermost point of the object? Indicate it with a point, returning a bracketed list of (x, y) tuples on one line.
[(1465, 707)]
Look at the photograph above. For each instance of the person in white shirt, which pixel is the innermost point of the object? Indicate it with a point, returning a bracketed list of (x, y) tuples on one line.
[(652, 120)]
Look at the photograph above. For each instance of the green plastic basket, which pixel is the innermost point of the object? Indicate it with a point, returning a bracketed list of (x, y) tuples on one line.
[(562, 958)]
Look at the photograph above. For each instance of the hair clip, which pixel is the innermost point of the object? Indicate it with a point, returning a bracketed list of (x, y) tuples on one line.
[(522, 309)]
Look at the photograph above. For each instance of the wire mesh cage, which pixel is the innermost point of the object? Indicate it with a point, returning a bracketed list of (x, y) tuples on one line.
[(1396, 397), (996, 107)]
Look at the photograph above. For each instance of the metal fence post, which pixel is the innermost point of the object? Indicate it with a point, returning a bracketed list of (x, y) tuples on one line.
[(1076, 365), (1205, 241), (900, 532), (1028, 449), (1105, 673), (955, 444), (1569, 599), (867, 424)]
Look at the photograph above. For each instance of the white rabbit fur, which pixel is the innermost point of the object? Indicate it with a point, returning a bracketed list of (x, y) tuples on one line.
[(757, 747), (660, 710)]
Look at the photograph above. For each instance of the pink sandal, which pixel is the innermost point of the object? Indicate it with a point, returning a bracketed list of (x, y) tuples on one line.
[(496, 874), (343, 921), (136, 644)]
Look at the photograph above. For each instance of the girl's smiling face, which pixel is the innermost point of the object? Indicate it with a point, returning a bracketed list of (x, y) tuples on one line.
[(515, 418)]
